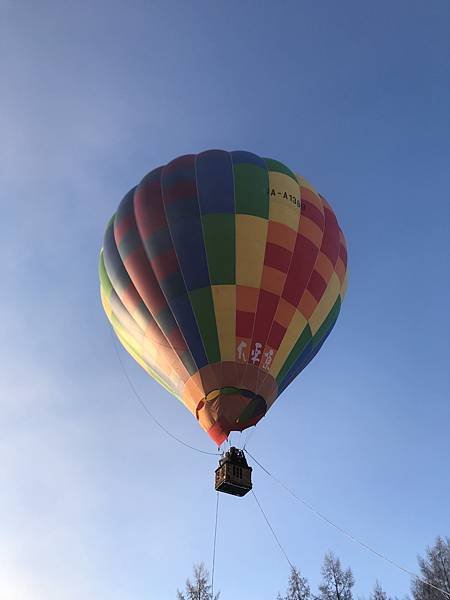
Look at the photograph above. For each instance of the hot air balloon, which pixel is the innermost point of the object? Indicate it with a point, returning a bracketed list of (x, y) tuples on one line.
[(222, 274)]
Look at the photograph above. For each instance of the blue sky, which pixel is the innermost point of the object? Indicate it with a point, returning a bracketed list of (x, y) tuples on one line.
[(95, 501)]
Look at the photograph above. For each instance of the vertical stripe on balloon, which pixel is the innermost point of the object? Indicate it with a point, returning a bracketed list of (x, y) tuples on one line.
[(251, 190)]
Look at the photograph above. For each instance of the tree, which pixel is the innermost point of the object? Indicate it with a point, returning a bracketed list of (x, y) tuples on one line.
[(298, 588), (336, 583), (200, 589), (378, 592), (434, 568)]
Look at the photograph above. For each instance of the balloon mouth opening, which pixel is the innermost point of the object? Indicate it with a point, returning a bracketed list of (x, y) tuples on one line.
[(231, 409), (229, 390)]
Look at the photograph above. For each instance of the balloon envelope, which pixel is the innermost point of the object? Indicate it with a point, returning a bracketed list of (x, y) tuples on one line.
[(222, 274)]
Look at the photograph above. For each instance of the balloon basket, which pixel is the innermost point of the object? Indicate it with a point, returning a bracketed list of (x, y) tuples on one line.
[(233, 475)]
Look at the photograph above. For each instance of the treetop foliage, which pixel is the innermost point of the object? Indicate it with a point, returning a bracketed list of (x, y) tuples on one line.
[(378, 593), (435, 568), (298, 587), (199, 589), (337, 583)]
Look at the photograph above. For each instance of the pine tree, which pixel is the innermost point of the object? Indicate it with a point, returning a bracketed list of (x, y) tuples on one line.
[(200, 589), (434, 568), (298, 588), (378, 592), (336, 583)]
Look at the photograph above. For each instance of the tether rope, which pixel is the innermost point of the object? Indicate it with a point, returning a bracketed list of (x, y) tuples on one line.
[(148, 411), (343, 531), (249, 435), (214, 547), (283, 551)]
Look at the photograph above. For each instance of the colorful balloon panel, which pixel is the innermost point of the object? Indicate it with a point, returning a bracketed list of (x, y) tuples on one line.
[(222, 274)]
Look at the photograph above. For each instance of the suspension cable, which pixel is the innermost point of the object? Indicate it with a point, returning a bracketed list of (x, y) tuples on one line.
[(272, 530), (214, 547), (344, 531), (148, 411), (249, 435)]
